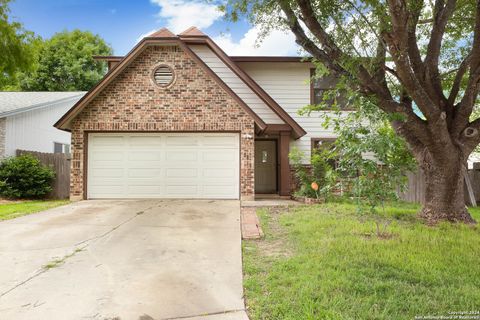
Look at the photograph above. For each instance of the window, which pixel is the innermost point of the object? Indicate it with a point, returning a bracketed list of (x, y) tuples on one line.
[(61, 148), (322, 90), (321, 144)]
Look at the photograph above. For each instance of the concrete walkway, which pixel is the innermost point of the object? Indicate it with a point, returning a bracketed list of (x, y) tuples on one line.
[(123, 260)]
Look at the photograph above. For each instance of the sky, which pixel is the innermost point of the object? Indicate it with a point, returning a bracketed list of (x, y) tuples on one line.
[(122, 23)]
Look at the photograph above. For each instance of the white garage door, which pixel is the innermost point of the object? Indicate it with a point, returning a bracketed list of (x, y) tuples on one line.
[(163, 165)]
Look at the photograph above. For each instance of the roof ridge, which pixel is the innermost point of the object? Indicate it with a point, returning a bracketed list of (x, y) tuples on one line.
[(193, 32), (162, 33)]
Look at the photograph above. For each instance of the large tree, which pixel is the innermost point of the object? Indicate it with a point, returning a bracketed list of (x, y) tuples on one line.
[(419, 61), (16, 51), (65, 63)]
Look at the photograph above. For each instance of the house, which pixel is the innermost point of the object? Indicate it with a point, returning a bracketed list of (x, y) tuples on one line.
[(27, 118), (179, 118)]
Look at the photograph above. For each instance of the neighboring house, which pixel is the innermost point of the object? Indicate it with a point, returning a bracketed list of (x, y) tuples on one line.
[(178, 118), (27, 118)]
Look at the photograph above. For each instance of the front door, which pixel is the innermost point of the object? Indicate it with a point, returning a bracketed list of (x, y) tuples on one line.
[(265, 166)]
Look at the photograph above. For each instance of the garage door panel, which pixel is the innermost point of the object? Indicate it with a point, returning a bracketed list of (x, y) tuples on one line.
[(140, 142), (219, 191), (108, 141), (144, 173), (111, 191), (218, 155), (219, 173), (107, 155), (145, 155), (143, 190), (185, 191), (183, 156), (181, 172), (107, 172), (220, 141), (181, 141), (163, 165), (106, 182)]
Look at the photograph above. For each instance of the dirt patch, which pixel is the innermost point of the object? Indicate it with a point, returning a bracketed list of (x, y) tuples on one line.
[(7, 201), (274, 243)]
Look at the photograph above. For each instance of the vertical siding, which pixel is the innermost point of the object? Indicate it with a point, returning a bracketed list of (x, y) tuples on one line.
[(236, 84), (288, 83), (34, 131)]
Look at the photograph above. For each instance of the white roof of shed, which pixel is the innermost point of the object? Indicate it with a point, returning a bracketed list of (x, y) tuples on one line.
[(17, 102)]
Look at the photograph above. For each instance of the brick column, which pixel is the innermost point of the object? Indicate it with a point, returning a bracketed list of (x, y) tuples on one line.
[(284, 148)]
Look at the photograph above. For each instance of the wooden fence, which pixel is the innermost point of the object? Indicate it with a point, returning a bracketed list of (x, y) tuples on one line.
[(60, 163), (415, 190)]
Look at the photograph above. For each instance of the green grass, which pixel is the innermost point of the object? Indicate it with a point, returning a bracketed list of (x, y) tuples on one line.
[(325, 262), (18, 209)]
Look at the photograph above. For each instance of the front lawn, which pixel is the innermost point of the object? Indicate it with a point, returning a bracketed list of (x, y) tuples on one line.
[(323, 262), (12, 210)]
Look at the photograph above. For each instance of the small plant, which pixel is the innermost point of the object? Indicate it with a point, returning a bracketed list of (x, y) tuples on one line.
[(317, 181), (25, 177)]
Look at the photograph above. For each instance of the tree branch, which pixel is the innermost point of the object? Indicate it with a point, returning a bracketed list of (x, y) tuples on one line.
[(442, 13), (465, 106), (462, 69)]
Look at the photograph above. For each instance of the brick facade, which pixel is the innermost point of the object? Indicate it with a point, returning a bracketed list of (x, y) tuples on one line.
[(3, 132), (133, 102)]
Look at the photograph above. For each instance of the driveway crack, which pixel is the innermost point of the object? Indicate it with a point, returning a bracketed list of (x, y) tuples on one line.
[(77, 248), (206, 314)]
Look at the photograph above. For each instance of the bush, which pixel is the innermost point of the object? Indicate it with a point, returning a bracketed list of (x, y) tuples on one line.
[(321, 173), (24, 177)]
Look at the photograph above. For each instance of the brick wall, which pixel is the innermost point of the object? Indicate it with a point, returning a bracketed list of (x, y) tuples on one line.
[(194, 102), (3, 132)]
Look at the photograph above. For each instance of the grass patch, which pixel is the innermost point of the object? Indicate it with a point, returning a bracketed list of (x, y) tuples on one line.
[(58, 262), (332, 271), (18, 209)]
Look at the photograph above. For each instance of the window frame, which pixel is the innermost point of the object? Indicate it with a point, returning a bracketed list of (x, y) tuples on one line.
[(312, 92), (63, 146)]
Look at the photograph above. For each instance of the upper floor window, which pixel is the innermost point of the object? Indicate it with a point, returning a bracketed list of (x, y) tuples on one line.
[(322, 90)]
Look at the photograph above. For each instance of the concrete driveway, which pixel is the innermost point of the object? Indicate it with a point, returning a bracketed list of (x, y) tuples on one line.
[(129, 259)]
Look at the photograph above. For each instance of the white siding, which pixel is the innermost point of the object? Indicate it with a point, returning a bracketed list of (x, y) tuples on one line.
[(33, 130), (288, 83), (236, 84)]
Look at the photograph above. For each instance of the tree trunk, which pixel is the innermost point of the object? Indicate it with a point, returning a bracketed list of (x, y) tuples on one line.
[(444, 194)]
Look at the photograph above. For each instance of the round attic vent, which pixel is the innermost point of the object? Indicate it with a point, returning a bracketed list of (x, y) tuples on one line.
[(163, 76)]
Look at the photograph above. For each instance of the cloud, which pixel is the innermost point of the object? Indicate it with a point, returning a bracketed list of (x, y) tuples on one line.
[(182, 14), (276, 43)]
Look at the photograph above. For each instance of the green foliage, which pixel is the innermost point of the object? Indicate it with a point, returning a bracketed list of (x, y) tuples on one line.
[(355, 27), (320, 262), (369, 153), (16, 50), (65, 63), (321, 172), (24, 177)]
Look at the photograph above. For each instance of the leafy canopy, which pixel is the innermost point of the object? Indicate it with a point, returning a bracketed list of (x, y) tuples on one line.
[(65, 63), (419, 59), (16, 52)]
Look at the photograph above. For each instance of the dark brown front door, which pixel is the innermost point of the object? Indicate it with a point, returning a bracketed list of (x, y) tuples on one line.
[(265, 166)]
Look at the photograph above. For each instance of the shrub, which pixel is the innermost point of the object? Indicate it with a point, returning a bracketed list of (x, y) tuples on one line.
[(321, 173), (24, 177)]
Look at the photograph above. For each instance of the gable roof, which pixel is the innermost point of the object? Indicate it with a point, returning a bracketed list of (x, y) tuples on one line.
[(12, 103), (191, 35)]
